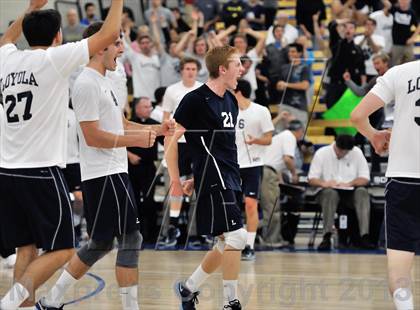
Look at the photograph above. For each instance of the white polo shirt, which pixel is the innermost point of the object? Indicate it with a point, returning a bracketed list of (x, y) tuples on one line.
[(326, 166), (284, 143)]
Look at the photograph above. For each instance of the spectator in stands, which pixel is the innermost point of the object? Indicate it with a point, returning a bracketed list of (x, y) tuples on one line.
[(129, 21), (165, 18), (255, 15), (290, 33), (384, 21), (169, 61), (90, 9), (276, 57), (157, 113), (346, 56), (278, 160), (355, 10), (241, 43), (383, 117), (74, 30), (304, 12), (210, 10), (270, 10), (142, 170), (233, 11), (403, 37), (370, 44), (294, 83), (341, 170), (308, 58), (145, 64)]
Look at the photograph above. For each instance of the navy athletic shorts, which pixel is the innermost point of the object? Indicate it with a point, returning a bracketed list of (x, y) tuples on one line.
[(402, 214), (110, 207), (218, 211), (251, 181), (35, 209)]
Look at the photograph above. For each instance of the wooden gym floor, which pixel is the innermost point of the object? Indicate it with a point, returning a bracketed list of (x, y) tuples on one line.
[(276, 280)]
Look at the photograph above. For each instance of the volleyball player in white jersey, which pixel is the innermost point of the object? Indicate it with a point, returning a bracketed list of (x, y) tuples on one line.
[(110, 206), (35, 209), (254, 129), (402, 211), (189, 68)]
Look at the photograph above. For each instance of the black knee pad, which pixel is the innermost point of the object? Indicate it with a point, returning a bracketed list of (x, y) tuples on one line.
[(129, 246), (94, 250)]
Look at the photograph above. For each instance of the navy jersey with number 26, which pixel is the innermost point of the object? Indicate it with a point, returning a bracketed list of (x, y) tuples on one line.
[(210, 123)]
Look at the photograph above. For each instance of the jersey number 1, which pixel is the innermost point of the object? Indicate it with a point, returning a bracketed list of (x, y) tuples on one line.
[(227, 120), (12, 100)]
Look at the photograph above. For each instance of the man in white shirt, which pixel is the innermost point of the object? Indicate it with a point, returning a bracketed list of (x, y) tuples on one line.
[(35, 88), (254, 130), (370, 44), (290, 32), (146, 66), (241, 43), (384, 22), (173, 95), (341, 170), (400, 84), (110, 206), (279, 158)]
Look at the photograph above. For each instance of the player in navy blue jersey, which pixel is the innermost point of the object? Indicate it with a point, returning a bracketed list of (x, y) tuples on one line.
[(207, 116)]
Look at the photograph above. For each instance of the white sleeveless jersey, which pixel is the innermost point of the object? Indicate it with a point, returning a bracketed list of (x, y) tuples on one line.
[(402, 84), (254, 121), (35, 89)]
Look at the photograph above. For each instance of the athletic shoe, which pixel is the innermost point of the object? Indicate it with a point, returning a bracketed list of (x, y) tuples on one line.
[(325, 245), (248, 254), (188, 298), (40, 306), (171, 238), (233, 305)]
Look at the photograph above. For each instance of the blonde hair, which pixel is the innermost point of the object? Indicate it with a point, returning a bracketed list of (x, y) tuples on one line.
[(219, 56)]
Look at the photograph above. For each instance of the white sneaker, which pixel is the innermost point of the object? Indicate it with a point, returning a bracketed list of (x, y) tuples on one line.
[(10, 261)]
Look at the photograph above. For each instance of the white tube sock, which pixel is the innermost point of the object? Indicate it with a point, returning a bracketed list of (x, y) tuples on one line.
[(196, 279), (251, 239), (55, 296), (14, 297), (230, 290), (129, 297)]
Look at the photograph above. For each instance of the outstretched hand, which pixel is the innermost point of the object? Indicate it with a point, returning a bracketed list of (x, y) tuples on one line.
[(37, 4)]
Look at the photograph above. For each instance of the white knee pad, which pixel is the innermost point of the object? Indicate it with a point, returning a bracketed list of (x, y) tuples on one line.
[(236, 239), (220, 245)]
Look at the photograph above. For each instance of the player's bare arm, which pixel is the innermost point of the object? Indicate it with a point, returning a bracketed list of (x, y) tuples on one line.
[(167, 128), (110, 31), (171, 156), (13, 33), (96, 137), (360, 118)]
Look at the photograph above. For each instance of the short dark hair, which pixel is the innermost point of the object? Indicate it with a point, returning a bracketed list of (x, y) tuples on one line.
[(88, 4), (159, 93), (40, 27), (297, 46), (295, 125), (92, 29), (187, 60), (244, 87), (344, 142)]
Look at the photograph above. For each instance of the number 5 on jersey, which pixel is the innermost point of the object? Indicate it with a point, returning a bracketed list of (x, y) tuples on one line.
[(227, 120)]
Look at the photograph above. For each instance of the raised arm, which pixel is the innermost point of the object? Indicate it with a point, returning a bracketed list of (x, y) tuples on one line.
[(13, 33), (110, 31), (260, 36)]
